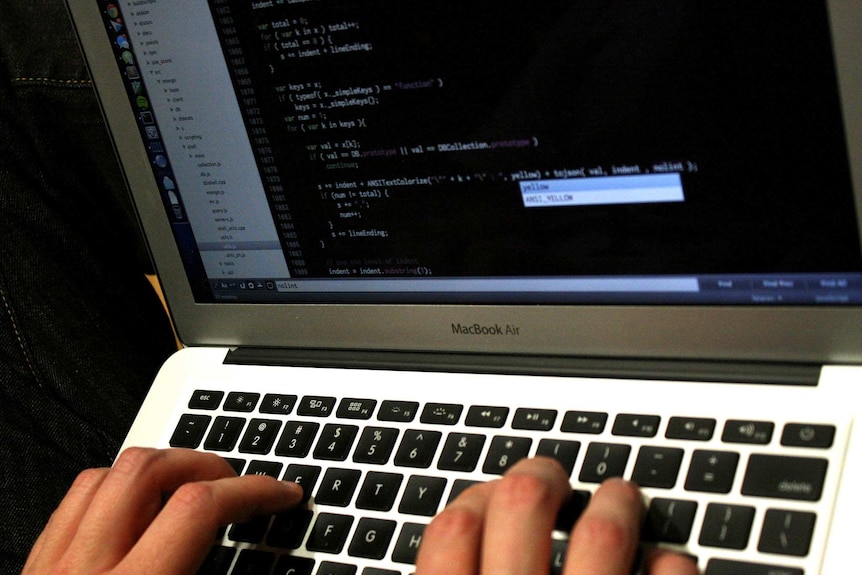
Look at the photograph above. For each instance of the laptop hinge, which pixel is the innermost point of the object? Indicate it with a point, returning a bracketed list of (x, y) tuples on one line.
[(651, 369)]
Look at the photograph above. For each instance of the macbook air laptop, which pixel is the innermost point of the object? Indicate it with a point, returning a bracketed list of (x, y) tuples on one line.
[(406, 244)]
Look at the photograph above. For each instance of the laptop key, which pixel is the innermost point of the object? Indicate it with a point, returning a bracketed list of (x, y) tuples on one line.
[(566, 452), (712, 471), (372, 538), (224, 434), (787, 532), (208, 400), (534, 419), (798, 478), (270, 468), (727, 526), (289, 565), (461, 452), (486, 416), (572, 510), (657, 467), (241, 402), (417, 448), (218, 561), (458, 487), (558, 555), (807, 435), (350, 408), (332, 568), (378, 491), (289, 528), (504, 453), (669, 520), (296, 439), (603, 461), (690, 428), (337, 487), (408, 543), (635, 425), (375, 445), (253, 562), (277, 404), (251, 531), (590, 422), (441, 413), (748, 432), (376, 571), (304, 475), (729, 567), (422, 495), (398, 411), (315, 406), (190, 431), (236, 464), (335, 442), (260, 436), (329, 533)]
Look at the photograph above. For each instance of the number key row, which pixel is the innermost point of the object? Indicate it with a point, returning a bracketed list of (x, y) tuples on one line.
[(710, 471)]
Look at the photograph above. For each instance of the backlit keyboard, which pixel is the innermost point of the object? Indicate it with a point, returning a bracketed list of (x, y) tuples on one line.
[(740, 495)]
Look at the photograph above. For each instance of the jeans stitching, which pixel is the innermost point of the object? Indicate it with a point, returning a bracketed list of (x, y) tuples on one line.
[(41, 81), (7, 306)]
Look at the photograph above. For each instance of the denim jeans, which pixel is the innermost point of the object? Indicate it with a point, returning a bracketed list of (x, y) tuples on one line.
[(81, 331)]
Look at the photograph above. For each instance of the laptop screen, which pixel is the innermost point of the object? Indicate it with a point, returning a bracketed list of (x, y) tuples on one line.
[(560, 152)]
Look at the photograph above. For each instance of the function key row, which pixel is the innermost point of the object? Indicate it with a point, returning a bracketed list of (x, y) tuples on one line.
[(735, 431)]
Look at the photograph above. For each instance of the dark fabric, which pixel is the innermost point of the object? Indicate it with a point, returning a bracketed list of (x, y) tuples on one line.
[(81, 331)]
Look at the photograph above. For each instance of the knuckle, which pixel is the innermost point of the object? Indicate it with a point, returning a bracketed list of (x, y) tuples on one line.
[(625, 491), (134, 460), (195, 497), (669, 562), (529, 491), (197, 500), (454, 523), (602, 533), (88, 479)]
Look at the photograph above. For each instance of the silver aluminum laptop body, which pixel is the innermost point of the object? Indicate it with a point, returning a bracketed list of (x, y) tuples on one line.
[(354, 219)]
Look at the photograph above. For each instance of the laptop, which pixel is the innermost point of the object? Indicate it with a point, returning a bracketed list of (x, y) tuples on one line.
[(405, 245)]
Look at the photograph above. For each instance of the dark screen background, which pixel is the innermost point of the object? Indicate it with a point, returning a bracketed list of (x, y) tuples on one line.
[(357, 97)]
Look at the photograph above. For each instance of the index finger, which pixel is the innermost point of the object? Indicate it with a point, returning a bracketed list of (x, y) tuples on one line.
[(182, 534), (503, 526), (129, 498), (606, 537), (526, 501), (54, 540)]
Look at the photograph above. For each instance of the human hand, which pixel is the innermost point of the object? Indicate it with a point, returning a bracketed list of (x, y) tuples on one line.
[(154, 510), (504, 528)]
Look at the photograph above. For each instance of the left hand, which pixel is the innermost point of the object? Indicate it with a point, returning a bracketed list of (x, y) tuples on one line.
[(156, 511)]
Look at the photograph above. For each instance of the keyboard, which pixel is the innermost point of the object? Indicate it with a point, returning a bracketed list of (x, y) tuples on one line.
[(739, 494)]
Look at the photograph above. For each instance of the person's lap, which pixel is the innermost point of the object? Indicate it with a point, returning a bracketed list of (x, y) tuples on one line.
[(81, 330)]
